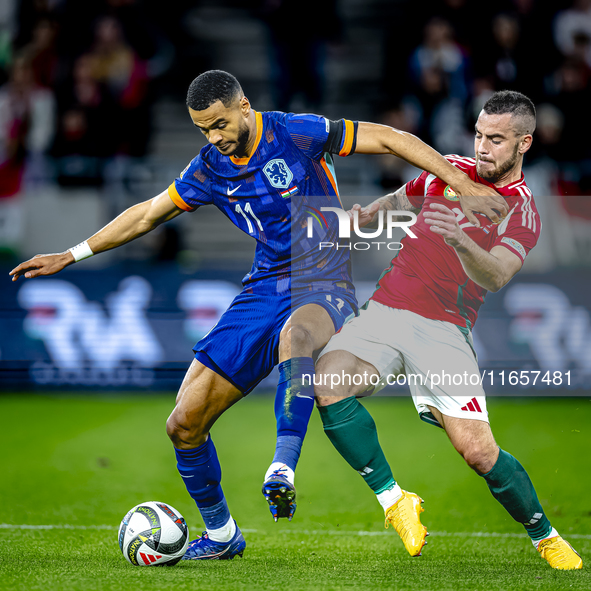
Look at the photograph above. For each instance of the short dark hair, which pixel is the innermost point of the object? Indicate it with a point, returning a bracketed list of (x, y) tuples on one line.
[(515, 103), (210, 87)]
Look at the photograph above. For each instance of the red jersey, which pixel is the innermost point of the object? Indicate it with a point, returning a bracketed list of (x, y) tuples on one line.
[(427, 276)]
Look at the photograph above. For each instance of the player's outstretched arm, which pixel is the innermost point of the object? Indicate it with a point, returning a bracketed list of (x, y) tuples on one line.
[(491, 270), (132, 223), (381, 139)]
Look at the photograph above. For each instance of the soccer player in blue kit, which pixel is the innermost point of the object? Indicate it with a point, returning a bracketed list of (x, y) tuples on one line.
[(266, 172)]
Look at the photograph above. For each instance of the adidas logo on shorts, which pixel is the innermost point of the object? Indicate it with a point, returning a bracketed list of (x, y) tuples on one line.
[(472, 406)]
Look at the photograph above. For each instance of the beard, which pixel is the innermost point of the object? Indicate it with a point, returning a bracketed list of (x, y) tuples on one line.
[(494, 176), (241, 141)]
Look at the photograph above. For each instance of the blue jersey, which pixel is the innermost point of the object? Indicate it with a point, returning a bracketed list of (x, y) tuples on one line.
[(273, 194)]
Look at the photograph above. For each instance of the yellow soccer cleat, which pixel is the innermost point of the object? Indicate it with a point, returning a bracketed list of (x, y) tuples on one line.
[(560, 554), (404, 515)]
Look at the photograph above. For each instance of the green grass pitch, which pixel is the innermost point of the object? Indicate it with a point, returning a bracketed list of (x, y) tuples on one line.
[(81, 462)]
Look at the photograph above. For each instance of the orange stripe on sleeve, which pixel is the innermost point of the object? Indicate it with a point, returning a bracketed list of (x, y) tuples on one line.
[(349, 137), (177, 199), (330, 178)]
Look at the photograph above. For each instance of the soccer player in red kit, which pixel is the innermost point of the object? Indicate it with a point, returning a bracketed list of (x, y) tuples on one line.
[(419, 321)]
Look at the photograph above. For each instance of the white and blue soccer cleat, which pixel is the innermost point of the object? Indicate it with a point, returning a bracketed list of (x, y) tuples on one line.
[(205, 549), (280, 493)]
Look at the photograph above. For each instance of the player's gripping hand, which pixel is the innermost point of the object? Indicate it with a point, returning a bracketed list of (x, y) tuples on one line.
[(475, 197), (365, 214), (443, 221), (43, 264)]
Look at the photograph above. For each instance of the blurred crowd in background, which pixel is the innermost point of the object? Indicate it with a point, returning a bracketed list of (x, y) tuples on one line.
[(79, 80), (93, 120), (466, 50), (77, 87)]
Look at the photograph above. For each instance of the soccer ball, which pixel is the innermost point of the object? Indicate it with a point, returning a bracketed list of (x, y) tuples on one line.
[(153, 534)]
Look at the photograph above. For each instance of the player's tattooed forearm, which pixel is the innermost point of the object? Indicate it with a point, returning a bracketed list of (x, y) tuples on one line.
[(404, 203), (399, 201), (389, 202)]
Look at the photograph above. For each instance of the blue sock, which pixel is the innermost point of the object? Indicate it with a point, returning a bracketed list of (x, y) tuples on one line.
[(201, 472), (294, 403)]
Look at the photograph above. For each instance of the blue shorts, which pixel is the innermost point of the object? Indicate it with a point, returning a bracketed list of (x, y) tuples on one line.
[(243, 346)]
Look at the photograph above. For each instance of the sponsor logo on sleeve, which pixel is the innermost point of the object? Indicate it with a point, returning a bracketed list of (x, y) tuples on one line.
[(185, 170), (515, 245)]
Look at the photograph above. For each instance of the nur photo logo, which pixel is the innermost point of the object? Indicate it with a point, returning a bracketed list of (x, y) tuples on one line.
[(392, 219)]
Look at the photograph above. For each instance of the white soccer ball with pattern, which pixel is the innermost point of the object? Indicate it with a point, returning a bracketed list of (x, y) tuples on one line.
[(153, 534)]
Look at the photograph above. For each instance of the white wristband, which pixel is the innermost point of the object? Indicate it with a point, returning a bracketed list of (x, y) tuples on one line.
[(81, 251)]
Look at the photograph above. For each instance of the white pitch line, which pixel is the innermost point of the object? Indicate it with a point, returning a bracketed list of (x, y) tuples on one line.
[(305, 532), (441, 534), (59, 526)]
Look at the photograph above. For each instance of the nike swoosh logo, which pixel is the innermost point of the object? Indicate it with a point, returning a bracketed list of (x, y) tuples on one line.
[(187, 476), (233, 190)]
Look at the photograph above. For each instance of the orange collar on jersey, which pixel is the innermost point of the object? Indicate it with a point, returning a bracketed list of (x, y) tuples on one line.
[(259, 124)]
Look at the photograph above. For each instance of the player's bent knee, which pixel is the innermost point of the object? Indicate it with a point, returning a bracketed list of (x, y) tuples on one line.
[(301, 337), (339, 375), (325, 392), (183, 433), (480, 459), (326, 398), (295, 341)]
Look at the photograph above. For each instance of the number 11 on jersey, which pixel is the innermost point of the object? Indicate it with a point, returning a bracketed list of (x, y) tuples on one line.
[(248, 210)]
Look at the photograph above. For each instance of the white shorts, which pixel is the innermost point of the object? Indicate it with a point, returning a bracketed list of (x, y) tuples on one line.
[(433, 357)]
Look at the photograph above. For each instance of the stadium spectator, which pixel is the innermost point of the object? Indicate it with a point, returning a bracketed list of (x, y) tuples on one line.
[(570, 23), (298, 67), (86, 109), (115, 64), (113, 60), (461, 14), (439, 71), (572, 95), (8, 27), (535, 23), (441, 120), (503, 57), (42, 53), (548, 133), (440, 53), (29, 13), (542, 166), (26, 124)]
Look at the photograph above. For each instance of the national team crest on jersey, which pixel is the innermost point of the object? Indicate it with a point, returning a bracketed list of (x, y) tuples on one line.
[(278, 173), (450, 194)]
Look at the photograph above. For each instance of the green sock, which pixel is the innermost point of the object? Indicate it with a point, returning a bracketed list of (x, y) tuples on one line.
[(352, 431), (511, 486)]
